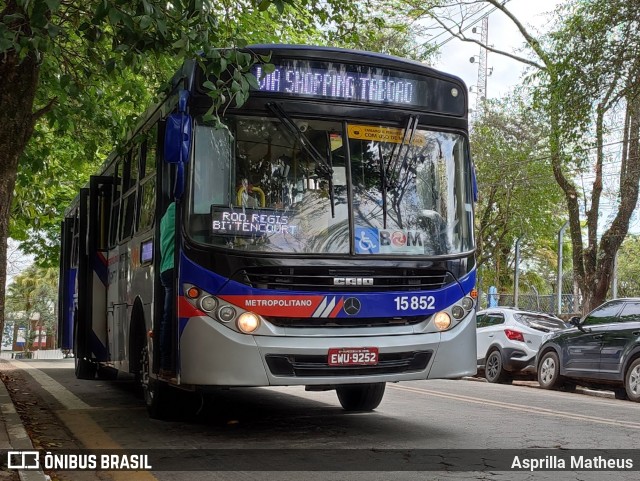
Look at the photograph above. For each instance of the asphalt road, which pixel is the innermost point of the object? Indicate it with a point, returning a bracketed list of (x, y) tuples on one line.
[(442, 416)]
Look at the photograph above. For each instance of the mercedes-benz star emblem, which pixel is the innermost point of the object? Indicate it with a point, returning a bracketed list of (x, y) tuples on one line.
[(351, 306)]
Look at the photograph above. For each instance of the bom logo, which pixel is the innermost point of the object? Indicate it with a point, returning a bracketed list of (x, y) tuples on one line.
[(400, 239)]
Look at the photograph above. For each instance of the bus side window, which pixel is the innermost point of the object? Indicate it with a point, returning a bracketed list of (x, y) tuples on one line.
[(115, 205), (148, 183), (75, 242), (104, 206), (127, 213)]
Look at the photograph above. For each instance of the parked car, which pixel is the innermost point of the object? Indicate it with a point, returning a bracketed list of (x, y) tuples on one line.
[(508, 340), (602, 349)]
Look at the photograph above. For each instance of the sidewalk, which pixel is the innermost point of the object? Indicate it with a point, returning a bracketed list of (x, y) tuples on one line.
[(13, 435)]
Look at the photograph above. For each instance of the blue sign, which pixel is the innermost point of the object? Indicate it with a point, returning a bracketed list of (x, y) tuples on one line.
[(367, 240)]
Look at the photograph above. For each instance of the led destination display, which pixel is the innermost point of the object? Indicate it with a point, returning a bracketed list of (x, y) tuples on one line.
[(338, 83), (359, 83), (250, 223)]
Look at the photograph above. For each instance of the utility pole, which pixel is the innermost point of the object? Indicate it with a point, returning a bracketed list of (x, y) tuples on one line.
[(614, 282), (481, 86), (516, 274), (559, 280)]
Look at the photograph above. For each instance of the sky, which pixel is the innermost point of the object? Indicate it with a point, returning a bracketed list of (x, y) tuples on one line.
[(507, 73), (503, 35)]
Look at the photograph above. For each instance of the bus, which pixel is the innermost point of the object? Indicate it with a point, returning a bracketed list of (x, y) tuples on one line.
[(323, 230)]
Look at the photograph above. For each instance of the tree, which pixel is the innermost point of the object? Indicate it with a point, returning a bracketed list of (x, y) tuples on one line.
[(65, 63), (582, 71), (628, 267), (33, 295), (518, 197)]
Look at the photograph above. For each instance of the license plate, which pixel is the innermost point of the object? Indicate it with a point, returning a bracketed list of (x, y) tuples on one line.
[(353, 356)]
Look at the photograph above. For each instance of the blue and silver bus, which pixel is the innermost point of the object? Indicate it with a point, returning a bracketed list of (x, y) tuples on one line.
[(324, 234)]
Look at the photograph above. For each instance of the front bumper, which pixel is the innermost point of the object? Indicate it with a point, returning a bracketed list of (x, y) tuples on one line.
[(214, 355)]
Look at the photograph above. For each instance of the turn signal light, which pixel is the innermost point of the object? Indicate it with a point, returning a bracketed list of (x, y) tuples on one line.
[(193, 293)]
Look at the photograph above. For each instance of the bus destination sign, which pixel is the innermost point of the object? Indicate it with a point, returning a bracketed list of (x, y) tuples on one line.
[(341, 82)]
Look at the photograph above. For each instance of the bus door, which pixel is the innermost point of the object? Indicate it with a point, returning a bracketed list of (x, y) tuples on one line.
[(97, 281), (67, 282)]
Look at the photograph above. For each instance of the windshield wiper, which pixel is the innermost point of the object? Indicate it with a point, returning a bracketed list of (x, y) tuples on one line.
[(323, 169), (407, 138), (385, 173)]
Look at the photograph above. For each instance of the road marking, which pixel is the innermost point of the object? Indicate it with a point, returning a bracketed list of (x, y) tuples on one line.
[(57, 390), (89, 433), (518, 407), (81, 425)]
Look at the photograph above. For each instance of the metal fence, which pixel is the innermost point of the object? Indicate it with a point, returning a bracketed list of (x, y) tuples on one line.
[(39, 354), (546, 303)]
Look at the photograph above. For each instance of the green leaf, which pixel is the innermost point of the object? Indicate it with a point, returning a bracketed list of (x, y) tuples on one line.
[(52, 30), (252, 80), (268, 68), (7, 19), (240, 98), (53, 5), (145, 22), (279, 5)]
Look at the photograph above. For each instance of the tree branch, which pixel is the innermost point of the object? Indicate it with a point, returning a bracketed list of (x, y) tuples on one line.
[(44, 110)]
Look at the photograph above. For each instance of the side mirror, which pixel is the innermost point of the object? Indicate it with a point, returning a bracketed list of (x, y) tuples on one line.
[(574, 321), (177, 141)]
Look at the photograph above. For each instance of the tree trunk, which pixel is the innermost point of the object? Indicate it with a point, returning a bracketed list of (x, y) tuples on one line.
[(18, 84), (629, 188)]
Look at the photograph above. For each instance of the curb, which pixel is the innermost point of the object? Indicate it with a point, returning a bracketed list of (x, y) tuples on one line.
[(535, 385), (18, 437)]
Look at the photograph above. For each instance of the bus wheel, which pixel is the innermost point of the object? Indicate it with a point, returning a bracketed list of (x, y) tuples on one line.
[(360, 397), (106, 373), (85, 369), (157, 395)]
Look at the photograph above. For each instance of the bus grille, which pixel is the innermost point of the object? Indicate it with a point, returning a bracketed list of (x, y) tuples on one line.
[(316, 366), (344, 321), (352, 280)]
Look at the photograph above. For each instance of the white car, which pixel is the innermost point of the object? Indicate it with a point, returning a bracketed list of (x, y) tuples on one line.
[(508, 340)]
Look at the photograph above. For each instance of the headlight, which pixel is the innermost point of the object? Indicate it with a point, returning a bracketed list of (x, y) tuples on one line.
[(457, 312), (467, 303), (208, 303), (442, 321), (226, 313), (248, 322)]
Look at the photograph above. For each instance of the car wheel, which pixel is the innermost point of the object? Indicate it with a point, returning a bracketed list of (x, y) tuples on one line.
[(632, 381), (549, 371), (493, 370)]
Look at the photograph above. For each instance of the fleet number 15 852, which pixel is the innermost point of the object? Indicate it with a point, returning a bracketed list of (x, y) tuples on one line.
[(415, 302)]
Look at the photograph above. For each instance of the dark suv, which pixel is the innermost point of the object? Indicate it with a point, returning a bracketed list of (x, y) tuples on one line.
[(603, 349)]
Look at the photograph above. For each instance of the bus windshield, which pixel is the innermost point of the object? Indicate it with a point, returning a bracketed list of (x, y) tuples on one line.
[(255, 187)]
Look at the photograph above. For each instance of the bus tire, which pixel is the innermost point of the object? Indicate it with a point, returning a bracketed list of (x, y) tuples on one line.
[(84, 368), (360, 397), (158, 397), (106, 373)]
